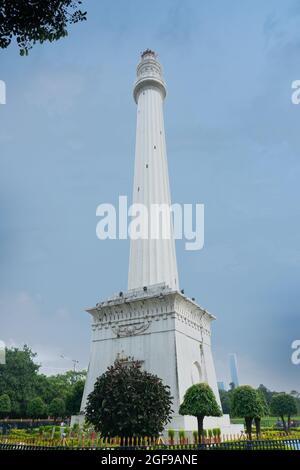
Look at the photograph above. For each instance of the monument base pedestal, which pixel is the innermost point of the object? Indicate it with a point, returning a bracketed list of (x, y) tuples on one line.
[(189, 424), (169, 334), (77, 419)]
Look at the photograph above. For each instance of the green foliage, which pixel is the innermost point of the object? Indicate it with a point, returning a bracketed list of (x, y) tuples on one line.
[(195, 436), (264, 406), (246, 402), (57, 408), (199, 400), (74, 397), (32, 21), (21, 381), (296, 395), (127, 401), (5, 405), (264, 392), (225, 401), (249, 404), (17, 378), (62, 385), (267, 394), (283, 404), (36, 408), (171, 434), (75, 428), (181, 434)]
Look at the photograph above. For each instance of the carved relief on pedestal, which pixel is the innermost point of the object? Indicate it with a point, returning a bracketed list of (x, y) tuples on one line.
[(132, 329)]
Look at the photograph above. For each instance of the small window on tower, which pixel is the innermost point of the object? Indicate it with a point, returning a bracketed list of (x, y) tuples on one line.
[(154, 147), (146, 165), (138, 189)]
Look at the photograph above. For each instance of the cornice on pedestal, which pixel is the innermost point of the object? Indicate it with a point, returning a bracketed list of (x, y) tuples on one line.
[(132, 312)]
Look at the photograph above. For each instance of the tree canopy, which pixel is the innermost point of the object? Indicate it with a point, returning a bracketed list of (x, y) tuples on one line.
[(57, 408), (36, 408), (128, 401), (17, 378), (5, 405), (225, 400), (32, 21), (265, 393), (74, 397), (21, 381), (283, 405), (199, 400), (245, 402), (249, 404)]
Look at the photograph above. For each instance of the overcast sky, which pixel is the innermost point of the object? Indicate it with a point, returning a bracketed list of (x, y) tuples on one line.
[(67, 137)]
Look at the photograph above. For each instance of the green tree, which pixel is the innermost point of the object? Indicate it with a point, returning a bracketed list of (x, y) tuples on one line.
[(45, 388), (60, 386), (32, 21), (18, 377), (21, 381), (5, 405), (266, 393), (73, 400), (127, 401), (263, 410), (36, 408), (57, 408), (282, 405), (199, 400), (225, 401), (296, 395), (247, 403)]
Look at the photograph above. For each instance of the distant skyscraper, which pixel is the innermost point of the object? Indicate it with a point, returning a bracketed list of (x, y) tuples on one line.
[(233, 369), (221, 386)]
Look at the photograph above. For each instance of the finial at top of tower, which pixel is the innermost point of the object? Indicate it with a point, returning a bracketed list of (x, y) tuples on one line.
[(148, 52)]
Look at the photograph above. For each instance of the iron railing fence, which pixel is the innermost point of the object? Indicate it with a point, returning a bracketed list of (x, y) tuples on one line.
[(282, 444)]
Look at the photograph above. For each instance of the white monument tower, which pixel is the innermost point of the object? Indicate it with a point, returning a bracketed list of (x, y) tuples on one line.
[(152, 261), (153, 321)]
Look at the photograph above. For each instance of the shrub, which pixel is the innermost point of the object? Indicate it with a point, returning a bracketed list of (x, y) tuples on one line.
[(200, 401), (128, 401), (181, 434)]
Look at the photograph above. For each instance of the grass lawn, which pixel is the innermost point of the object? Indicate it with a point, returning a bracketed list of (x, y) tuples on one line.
[(266, 421)]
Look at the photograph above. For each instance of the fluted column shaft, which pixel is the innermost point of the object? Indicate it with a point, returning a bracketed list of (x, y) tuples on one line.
[(152, 261)]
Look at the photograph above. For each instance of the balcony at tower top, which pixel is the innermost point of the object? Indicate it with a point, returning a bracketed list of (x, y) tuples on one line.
[(149, 74), (148, 52)]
